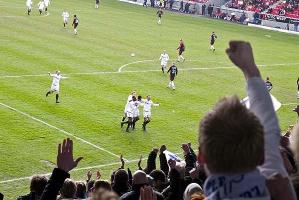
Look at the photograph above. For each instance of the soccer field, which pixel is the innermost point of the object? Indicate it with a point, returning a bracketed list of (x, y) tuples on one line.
[(101, 73)]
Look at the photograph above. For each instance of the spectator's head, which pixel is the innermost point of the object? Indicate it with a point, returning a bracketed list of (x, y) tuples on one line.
[(231, 138), (121, 178), (81, 190), (38, 184), (294, 140), (101, 184), (156, 150), (159, 179), (139, 180), (68, 189), (103, 194), (192, 189), (90, 185)]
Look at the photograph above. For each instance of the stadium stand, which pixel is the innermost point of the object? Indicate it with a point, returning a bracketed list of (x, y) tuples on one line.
[(288, 9), (240, 149)]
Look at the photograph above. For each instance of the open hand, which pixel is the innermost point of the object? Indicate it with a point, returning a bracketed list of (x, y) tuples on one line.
[(65, 159)]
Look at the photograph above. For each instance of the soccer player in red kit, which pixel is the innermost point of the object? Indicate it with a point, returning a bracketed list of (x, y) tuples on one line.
[(181, 49)]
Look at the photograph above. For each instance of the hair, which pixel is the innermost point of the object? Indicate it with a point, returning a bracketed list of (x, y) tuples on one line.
[(231, 138), (81, 190), (68, 189), (98, 184), (103, 194), (158, 175), (38, 184), (198, 196), (90, 185)]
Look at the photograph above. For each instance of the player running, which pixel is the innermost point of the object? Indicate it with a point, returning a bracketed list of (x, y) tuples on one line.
[(181, 49), (97, 5), (173, 72), (55, 84), (212, 42), (65, 16), (147, 106), (298, 88), (41, 6), (75, 24), (29, 6), (269, 85), (160, 13), (164, 59)]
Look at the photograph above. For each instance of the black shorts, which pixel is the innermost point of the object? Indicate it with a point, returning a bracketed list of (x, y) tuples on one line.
[(75, 25), (212, 42), (171, 77), (181, 52), (159, 16)]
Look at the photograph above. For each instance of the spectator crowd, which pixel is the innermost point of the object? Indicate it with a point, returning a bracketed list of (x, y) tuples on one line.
[(240, 155)]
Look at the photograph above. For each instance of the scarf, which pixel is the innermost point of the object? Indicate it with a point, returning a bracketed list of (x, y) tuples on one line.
[(247, 185)]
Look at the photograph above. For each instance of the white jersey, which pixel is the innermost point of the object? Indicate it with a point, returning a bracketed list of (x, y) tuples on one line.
[(164, 59), (41, 5), (47, 2), (127, 104), (132, 107), (65, 16), (29, 3), (147, 107), (55, 82), (136, 109)]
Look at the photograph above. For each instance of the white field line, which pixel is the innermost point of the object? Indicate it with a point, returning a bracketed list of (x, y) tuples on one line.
[(289, 104), (119, 71), (60, 130), (78, 169)]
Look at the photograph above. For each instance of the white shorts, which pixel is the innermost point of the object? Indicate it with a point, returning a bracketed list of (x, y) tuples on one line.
[(65, 20), (147, 114), (136, 114), (163, 64), (129, 114), (29, 7), (55, 88)]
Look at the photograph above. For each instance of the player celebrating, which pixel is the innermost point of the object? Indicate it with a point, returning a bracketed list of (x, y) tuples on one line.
[(29, 6), (147, 106), (97, 4), (268, 83), (164, 59), (55, 85), (127, 105), (65, 16), (130, 113), (47, 3), (41, 6), (181, 49), (173, 72), (160, 13), (75, 24), (212, 42), (136, 112), (298, 88)]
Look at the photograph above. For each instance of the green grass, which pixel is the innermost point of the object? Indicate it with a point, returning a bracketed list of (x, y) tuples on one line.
[(92, 105)]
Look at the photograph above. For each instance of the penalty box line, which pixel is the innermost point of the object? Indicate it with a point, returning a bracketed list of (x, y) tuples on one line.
[(60, 130)]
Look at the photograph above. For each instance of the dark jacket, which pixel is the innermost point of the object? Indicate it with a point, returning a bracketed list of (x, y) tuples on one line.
[(151, 162), (134, 195), (30, 196), (54, 184), (163, 164), (176, 188)]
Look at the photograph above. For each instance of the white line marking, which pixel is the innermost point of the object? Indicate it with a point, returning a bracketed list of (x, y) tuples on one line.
[(60, 130), (143, 71), (135, 62), (289, 104), (78, 169)]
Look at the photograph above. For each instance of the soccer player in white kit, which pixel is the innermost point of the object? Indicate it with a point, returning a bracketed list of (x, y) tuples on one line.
[(132, 106), (47, 3), (147, 106), (29, 6), (65, 16), (55, 85), (133, 93), (164, 59), (41, 7)]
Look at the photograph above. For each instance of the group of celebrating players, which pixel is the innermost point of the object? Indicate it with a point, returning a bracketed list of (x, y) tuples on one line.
[(132, 114)]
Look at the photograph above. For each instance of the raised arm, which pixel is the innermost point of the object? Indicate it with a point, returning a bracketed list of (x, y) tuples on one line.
[(261, 105)]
